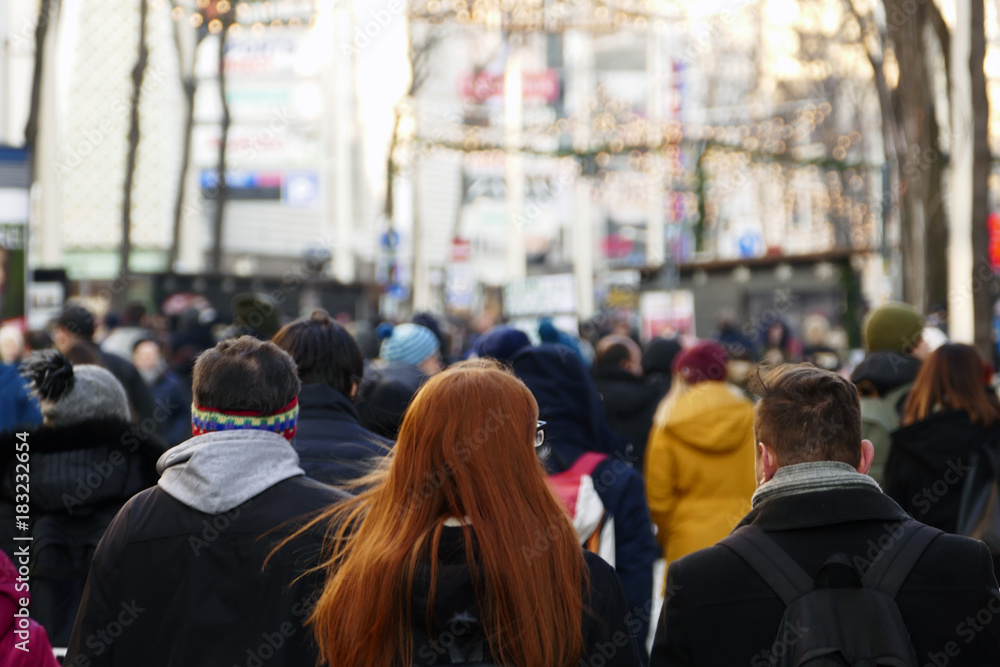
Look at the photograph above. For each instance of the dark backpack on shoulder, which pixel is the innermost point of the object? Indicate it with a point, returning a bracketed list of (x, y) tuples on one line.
[(842, 618), (979, 511)]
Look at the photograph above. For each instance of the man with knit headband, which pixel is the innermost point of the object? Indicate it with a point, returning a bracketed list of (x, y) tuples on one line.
[(818, 523), (179, 578)]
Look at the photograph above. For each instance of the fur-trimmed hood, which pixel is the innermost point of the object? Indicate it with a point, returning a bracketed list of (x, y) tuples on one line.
[(80, 468)]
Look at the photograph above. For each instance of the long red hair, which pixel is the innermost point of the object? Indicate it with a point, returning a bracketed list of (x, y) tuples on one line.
[(953, 377), (465, 450)]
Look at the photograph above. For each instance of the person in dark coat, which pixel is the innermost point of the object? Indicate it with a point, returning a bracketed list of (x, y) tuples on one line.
[(410, 354), (658, 362), (17, 406), (629, 401), (814, 500), (462, 554), (183, 565), (501, 342), (893, 337), (76, 325), (950, 417), (333, 446), (172, 396), (575, 425), (86, 461)]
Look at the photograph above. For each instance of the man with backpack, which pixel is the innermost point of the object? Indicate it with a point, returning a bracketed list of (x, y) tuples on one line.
[(894, 340), (826, 569)]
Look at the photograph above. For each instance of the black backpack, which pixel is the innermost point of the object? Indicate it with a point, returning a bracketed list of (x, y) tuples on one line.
[(979, 512), (843, 617)]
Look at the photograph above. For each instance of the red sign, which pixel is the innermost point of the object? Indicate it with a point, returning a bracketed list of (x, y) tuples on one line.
[(616, 246), (993, 224), (461, 250), (542, 85)]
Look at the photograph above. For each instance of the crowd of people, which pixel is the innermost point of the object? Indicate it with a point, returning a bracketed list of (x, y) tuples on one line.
[(284, 493)]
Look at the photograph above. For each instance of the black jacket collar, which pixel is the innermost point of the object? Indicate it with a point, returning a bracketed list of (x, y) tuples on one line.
[(824, 508), (322, 400)]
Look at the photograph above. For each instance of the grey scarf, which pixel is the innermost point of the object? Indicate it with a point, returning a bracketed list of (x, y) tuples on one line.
[(217, 471), (813, 476)]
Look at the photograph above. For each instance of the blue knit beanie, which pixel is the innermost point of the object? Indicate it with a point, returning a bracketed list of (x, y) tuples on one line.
[(409, 344)]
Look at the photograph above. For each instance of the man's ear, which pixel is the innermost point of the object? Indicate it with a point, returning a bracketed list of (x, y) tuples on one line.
[(767, 463), (867, 456)]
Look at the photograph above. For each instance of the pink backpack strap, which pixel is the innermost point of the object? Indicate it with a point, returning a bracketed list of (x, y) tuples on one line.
[(586, 464)]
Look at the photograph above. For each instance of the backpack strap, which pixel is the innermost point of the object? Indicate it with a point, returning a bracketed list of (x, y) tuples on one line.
[(894, 564), (585, 464), (770, 562)]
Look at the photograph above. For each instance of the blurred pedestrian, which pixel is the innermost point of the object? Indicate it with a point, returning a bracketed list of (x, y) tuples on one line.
[(699, 460), (131, 327), (579, 443), (471, 583), (501, 342), (893, 337), (410, 354), (87, 460), (629, 400), (184, 563), (75, 326), (11, 345), (780, 344), (171, 395), (658, 361), (333, 446), (17, 406), (950, 416), (818, 525), (737, 344)]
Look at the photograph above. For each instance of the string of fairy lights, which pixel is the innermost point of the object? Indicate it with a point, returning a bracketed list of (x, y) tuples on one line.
[(618, 138)]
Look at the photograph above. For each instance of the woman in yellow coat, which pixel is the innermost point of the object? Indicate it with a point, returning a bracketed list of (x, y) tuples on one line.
[(700, 455)]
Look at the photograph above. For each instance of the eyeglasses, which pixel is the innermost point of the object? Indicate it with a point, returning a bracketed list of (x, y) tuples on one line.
[(539, 434)]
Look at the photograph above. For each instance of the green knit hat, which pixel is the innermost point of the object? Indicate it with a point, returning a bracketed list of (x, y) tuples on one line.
[(895, 327)]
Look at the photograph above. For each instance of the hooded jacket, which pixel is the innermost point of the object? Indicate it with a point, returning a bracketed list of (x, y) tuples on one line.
[(20, 650), (929, 462), (181, 567), (575, 424), (630, 403), (456, 619), (884, 380), (333, 446), (700, 468), (80, 476)]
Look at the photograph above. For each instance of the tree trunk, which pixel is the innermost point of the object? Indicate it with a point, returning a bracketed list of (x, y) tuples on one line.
[(133, 143), (31, 128), (220, 201), (982, 272)]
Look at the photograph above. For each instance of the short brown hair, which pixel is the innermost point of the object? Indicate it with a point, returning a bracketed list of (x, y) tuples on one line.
[(807, 414), (245, 374)]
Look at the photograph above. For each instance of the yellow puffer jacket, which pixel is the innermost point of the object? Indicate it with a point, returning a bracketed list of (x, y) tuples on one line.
[(700, 468)]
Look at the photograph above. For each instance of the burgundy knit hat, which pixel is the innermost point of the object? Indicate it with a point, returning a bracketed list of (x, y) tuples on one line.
[(706, 360)]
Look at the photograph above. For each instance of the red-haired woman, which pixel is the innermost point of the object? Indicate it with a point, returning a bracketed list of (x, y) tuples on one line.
[(460, 554), (950, 414)]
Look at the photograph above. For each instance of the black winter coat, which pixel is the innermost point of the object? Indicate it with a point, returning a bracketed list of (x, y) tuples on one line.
[(630, 402), (718, 611), (333, 446), (610, 633), (928, 463), (174, 586), (79, 477)]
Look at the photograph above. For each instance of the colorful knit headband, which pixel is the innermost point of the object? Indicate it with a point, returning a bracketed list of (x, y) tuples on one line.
[(283, 421)]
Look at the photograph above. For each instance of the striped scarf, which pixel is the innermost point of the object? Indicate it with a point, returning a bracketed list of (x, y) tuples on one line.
[(204, 420)]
